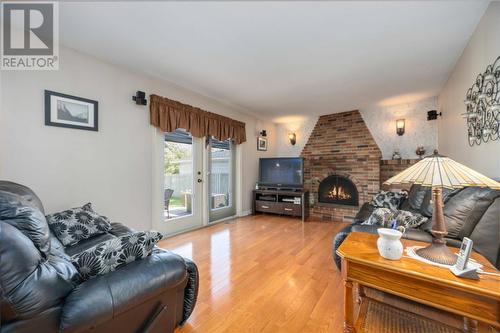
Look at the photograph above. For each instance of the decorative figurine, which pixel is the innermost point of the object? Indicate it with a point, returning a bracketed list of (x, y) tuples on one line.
[(396, 156), (420, 151)]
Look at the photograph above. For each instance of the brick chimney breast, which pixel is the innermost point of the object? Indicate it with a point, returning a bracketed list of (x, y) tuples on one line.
[(341, 144)]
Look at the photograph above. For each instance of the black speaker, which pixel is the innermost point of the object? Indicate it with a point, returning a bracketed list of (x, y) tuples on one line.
[(433, 115), (140, 98)]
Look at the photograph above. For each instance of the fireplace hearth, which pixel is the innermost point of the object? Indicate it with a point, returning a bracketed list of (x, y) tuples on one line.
[(336, 189)]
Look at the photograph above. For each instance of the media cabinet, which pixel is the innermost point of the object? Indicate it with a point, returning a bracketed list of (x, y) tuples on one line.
[(283, 202)]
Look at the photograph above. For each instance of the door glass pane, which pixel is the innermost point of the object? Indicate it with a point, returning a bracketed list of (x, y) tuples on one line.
[(178, 169), (220, 174), (221, 171)]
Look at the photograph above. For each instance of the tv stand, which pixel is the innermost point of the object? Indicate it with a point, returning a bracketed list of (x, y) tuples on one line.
[(281, 201)]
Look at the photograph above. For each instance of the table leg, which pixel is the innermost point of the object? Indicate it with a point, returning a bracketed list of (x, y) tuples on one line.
[(348, 308), (360, 292), (470, 325)]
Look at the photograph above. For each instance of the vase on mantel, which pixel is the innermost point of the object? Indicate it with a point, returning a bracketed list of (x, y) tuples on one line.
[(389, 244), (396, 156), (420, 152)]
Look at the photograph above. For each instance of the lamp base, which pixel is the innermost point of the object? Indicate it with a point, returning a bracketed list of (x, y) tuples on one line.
[(438, 252)]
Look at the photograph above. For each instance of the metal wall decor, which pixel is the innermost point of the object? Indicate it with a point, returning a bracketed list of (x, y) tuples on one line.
[(483, 106)]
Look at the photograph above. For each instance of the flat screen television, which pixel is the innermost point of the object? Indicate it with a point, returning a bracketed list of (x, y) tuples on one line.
[(281, 172)]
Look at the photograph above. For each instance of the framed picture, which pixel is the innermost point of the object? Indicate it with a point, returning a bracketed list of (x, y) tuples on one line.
[(70, 111), (262, 143)]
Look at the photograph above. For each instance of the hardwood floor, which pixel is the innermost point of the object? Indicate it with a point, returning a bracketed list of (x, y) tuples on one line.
[(264, 273)]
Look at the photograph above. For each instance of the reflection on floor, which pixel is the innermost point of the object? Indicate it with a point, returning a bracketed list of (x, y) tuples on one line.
[(263, 273)]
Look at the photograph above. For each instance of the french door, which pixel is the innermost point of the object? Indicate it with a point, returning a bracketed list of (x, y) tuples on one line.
[(196, 182), (221, 178)]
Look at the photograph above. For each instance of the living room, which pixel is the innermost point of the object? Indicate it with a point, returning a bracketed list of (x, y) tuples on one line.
[(248, 166)]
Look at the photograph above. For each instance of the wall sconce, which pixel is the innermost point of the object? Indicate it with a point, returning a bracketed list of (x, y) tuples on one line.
[(293, 138), (400, 126)]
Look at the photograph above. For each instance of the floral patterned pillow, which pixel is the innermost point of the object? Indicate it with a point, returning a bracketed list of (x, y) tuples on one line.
[(112, 254), (381, 217), (404, 219), (388, 199), (75, 224), (409, 220)]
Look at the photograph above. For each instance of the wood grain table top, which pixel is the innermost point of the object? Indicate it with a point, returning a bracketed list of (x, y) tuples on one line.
[(362, 248)]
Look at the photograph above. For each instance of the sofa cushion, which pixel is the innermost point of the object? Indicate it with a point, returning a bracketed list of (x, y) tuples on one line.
[(426, 209), (388, 199), (464, 210), (415, 198), (75, 224), (364, 213), (112, 254), (88, 243), (486, 234)]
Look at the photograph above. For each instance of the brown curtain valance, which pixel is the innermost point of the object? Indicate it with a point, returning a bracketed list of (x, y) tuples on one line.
[(169, 115)]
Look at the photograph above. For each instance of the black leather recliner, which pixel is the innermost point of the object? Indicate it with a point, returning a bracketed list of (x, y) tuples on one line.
[(469, 212), (41, 290)]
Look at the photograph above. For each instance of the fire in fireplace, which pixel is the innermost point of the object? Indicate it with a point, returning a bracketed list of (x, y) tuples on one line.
[(337, 189), (339, 193)]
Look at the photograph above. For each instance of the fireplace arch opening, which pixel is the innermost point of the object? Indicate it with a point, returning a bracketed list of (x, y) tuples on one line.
[(340, 190)]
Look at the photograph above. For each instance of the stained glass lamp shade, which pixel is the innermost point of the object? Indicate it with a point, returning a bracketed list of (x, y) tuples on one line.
[(440, 172)]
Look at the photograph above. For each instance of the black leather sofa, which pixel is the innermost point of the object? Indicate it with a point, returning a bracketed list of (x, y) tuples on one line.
[(41, 290), (469, 212)]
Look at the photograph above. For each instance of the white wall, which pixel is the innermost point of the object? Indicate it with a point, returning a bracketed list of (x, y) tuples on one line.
[(302, 129), (112, 168), (482, 49), (381, 121)]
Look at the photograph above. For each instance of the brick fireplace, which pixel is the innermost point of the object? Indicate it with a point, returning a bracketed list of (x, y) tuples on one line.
[(340, 149)]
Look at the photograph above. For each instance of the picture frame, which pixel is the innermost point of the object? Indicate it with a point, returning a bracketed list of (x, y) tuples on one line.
[(68, 111), (262, 144)]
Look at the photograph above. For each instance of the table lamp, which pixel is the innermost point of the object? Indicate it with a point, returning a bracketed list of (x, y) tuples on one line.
[(440, 172)]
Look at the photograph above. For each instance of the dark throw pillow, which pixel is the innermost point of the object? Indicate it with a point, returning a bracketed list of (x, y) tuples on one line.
[(112, 254), (75, 224), (388, 199)]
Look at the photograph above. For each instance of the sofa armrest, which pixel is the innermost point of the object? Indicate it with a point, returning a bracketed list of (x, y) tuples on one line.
[(100, 299), (191, 291)]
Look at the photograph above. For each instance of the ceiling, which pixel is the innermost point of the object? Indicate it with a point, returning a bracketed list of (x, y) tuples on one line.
[(282, 59)]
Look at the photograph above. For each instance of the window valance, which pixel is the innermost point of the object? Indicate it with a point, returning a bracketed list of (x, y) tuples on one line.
[(169, 115)]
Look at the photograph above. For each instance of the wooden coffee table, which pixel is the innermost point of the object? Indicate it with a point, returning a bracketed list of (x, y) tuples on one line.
[(417, 281)]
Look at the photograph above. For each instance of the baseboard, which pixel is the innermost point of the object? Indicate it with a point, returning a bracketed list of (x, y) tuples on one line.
[(245, 213)]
